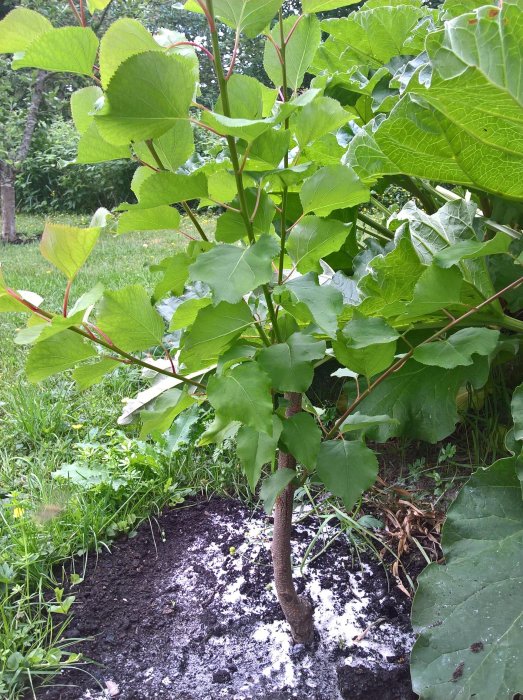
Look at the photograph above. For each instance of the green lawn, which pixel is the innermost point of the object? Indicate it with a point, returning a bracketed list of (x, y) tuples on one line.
[(116, 480)]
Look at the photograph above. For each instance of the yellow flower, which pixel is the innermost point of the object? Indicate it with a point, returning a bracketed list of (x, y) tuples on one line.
[(77, 426), (18, 512)]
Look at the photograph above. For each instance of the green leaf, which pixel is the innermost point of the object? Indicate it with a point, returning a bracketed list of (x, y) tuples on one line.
[(324, 5), (458, 349), (173, 148), (124, 38), (467, 613), (305, 299), (157, 218), (347, 469), (243, 394), (186, 313), (40, 331), (256, 449), (320, 117), (166, 86), (96, 5), (245, 97), (517, 412), (299, 51), (246, 16), (273, 486), (82, 105), (436, 289), (332, 187), (368, 361), (159, 418), (359, 421), (213, 331), (404, 397), (92, 148), (301, 437), (362, 332), (171, 188), (175, 273), (470, 250), (230, 226), (63, 50), (67, 247), (127, 317), (56, 354), (289, 364), (86, 376), (20, 28), (314, 238), (232, 271)]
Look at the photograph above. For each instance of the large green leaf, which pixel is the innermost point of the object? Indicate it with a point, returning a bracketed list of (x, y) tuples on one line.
[(56, 354), (67, 247), (246, 16), (175, 274), (289, 364), (305, 299), (469, 613), (96, 5), (146, 96), (157, 218), (517, 412), (170, 188), (318, 118), (347, 469), (299, 51), (375, 35), (63, 50), (243, 394), (332, 187), (231, 271), (314, 238), (367, 361), (173, 148), (212, 332), (127, 317), (471, 250), (458, 349), (256, 449), (301, 437), (123, 39), (20, 27), (85, 376), (404, 397), (230, 226), (324, 5), (166, 408), (273, 486)]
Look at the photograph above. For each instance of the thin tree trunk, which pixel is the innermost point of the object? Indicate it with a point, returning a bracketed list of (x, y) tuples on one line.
[(297, 610), (8, 203)]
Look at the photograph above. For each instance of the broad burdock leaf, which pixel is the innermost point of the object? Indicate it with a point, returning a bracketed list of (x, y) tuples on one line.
[(362, 332), (246, 16), (471, 250), (435, 289), (359, 421), (56, 354), (332, 187), (20, 28), (289, 364), (367, 361), (232, 271), (468, 612), (128, 318), (273, 486), (146, 96), (305, 299), (458, 349), (63, 50), (301, 436), (347, 469), (314, 238), (68, 247), (256, 449), (299, 51), (213, 331), (403, 396), (124, 38), (243, 394)]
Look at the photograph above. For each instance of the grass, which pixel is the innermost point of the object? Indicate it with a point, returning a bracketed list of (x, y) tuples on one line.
[(70, 482)]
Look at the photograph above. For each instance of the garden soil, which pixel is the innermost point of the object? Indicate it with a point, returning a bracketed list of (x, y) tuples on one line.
[(186, 610)]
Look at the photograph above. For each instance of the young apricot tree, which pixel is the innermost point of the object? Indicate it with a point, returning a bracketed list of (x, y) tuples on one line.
[(298, 271)]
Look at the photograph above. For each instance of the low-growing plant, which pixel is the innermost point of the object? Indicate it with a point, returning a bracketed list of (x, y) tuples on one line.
[(298, 273)]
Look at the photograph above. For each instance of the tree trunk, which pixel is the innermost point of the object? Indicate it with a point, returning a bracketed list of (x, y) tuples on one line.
[(8, 203), (297, 610)]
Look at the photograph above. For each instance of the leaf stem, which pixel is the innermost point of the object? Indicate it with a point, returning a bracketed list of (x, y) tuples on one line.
[(66, 297), (283, 216), (382, 230), (403, 360), (196, 46)]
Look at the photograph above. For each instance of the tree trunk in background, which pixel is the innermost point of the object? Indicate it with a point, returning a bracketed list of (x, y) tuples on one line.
[(8, 203), (8, 172), (297, 610)]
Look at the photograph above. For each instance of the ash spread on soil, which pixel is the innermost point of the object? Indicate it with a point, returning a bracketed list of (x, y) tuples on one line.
[(192, 615)]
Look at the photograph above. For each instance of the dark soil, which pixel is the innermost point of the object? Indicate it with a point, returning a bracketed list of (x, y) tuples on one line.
[(188, 613)]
